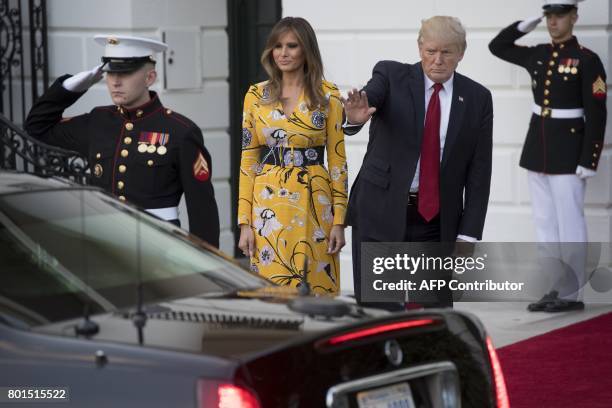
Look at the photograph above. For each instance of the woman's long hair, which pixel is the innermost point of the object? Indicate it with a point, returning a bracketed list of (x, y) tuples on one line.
[(313, 66)]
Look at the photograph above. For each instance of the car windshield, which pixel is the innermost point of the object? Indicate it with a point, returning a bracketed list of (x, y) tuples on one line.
[(61, 250)]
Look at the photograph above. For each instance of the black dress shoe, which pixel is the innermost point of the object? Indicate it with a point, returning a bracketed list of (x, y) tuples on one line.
[(561, 305), (541, 304)]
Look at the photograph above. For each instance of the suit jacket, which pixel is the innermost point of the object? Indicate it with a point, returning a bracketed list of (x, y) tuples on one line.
[(379, 196)]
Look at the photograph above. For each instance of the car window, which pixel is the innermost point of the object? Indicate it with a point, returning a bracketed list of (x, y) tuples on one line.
[(62, 249)]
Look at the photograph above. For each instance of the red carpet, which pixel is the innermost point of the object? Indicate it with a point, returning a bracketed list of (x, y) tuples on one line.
[(568, 367)]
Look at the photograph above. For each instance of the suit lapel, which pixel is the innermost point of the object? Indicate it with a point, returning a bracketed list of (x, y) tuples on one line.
[(417, 89), (456, 117)]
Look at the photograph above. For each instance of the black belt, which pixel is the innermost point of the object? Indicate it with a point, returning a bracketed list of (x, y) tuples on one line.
[(296, 156)]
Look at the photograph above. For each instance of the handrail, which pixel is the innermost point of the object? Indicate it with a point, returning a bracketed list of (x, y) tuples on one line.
[(20, 151)]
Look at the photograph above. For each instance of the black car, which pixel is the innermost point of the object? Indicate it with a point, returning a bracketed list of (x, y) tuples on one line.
[(102, 305)]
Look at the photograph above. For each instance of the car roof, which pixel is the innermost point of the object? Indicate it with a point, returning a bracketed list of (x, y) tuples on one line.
[(18, 182)]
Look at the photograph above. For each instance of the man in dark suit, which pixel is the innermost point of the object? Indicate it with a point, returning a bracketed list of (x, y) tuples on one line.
[(427, 170)]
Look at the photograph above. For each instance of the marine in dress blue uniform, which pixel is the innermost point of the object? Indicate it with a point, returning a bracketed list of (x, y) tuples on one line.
[(566, 130), (148, 154)]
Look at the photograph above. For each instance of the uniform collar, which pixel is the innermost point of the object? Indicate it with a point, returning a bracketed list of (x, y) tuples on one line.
[(572, 42), (143, 110)]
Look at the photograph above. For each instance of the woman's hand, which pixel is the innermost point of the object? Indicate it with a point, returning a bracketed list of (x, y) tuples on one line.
[(336, 239), (247, 240)]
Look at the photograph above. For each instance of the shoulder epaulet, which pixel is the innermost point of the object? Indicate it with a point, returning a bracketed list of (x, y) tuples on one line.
[(586, 51), (108, 108), (183, 120)]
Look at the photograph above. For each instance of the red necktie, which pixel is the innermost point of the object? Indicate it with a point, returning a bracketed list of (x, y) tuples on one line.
[(429, 175)]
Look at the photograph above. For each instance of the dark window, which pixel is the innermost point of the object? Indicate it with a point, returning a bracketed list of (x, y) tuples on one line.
[(249, 23), (60, 249)]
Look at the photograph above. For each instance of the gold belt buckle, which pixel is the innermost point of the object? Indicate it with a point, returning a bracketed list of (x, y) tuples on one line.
[(545, 112)]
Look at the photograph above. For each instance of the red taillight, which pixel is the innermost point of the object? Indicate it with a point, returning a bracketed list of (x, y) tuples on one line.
[(231, 396), (214, 394), (501, 393), (376, 330)]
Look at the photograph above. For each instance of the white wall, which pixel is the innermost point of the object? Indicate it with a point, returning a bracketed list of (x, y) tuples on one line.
[(355, 34), (72, 25)]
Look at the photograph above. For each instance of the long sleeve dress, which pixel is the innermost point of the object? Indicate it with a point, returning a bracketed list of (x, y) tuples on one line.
[(287, 195)]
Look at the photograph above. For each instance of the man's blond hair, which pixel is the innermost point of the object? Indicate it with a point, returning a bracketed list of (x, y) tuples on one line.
[(444, 28)]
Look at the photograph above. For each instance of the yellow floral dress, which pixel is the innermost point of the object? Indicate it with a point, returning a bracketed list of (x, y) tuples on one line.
[(286, 194)]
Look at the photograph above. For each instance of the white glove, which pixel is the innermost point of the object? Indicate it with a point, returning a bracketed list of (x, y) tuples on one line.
[(529, 24), (83, 80), (584, 173)]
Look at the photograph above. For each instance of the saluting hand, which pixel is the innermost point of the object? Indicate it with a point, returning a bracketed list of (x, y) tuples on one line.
[(357, 108), (529, 24), (83, 80)]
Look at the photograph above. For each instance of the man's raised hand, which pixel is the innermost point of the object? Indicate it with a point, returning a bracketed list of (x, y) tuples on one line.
[(357, 108)]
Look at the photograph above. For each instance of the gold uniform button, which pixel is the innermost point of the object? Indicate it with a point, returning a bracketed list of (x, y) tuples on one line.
[(547, 83), (562, 46), (129, 126), (546, 92), (122, 198), (573, 130), (124, 153), (546, 102), (120, 185), (150, 163), (596, 146), (555, 54), (168, 111), (593, 164), (98, 155), (139, 113), (127, 140), (595, 155), (122, 168), (549, 72), (551, 63), (545, 112)]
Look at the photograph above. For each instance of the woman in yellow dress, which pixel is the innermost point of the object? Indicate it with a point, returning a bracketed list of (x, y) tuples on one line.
[(291, 208)]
